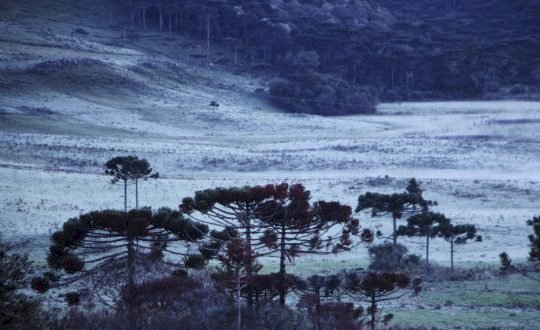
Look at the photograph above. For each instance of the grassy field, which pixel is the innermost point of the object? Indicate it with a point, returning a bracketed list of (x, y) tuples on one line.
[(69, 103)]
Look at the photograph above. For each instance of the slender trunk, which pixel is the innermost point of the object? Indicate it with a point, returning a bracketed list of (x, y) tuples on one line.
[(136, 194), (208, 39), (144, 18), (427, 252), (452, 255), (160, 19), (395, 232), (125, 195), (131, 285), (282, 289), (373, 310), (239, 309), (249, 268)]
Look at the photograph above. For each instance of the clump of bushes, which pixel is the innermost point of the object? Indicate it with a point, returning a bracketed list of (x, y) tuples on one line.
[(387, 258)]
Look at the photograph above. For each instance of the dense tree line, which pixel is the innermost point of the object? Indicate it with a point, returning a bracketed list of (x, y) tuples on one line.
[(339, 57)]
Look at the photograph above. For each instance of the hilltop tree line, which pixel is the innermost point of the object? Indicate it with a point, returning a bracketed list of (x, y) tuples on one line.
[(339, 57)]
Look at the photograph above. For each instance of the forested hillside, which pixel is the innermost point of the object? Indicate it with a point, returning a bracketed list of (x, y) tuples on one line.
[(341, 56)]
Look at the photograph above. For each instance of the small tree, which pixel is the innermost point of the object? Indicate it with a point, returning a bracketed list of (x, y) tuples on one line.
[(374, 288), (234, 265), (129, 168), (17, 310), (426, 224), (213, 105), (458, 234)]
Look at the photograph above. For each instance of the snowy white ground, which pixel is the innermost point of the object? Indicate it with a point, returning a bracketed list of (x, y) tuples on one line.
[(479, 160)]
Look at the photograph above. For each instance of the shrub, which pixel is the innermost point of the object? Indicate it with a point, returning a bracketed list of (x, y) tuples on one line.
[(386, 258)]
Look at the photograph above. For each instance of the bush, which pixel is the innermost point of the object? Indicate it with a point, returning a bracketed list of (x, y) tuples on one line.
[(386, 258)]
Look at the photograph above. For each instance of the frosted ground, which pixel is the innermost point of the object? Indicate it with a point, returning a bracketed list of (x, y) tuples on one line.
[(479, 160)]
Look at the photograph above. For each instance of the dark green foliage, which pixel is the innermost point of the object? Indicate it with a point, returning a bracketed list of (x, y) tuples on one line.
[(534, 239), (17, 311), (314, 93), (73, 298), (375, 287), (106, 248), (395, 204), (124, 168), (506, 262), (389, 258)]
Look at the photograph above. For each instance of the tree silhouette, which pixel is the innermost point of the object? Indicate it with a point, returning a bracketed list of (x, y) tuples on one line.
[(426, 224), (534, 239), (458, 234), (234, 264), (214, 105), (374, 288), (278, 219), (395, 204), (109, 249), (233, 210), (295, 227), (129, 168)]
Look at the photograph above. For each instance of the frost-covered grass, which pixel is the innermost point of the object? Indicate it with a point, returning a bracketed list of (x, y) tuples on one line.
[(479, 160)]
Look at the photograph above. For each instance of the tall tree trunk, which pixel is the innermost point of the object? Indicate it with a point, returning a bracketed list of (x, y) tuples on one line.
[(394, 235), (427, 252), (239, 309), (452, 254), (125, 195), (137, 194), (131, 285), (373, 311), (282, 290), (144, 18), (160, 19), (208, 39), (249, 268)]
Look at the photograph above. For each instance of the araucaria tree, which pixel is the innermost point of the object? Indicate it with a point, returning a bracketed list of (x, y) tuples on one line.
[(426, 224), (395, 204), (129, 168), (233, 209), (458, 234), (374, 288), (278, 219), (294, 227), (233, 266), (109, 249)]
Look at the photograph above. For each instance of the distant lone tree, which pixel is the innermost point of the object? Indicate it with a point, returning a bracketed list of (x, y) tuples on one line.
[(129, 168), (109, 249), (213, 105), (395, 204)]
